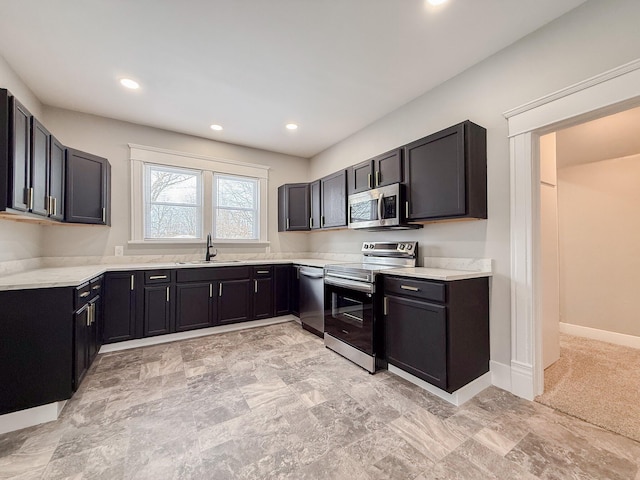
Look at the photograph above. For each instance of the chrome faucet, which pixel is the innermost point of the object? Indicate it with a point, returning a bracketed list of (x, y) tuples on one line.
[(209, 247)]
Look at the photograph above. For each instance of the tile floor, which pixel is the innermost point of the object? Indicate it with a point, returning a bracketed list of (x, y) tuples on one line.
[(272, 402)]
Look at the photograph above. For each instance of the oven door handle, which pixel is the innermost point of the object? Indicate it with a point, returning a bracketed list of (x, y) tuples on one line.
[(341, 282), (380, 205)]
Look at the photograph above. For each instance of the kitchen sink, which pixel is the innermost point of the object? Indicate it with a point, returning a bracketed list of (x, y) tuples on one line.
[(206, 262)]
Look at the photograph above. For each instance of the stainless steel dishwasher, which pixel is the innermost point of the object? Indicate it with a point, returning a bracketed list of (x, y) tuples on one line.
[(312, 299)]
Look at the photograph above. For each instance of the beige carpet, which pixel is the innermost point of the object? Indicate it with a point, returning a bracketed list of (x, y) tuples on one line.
[(598, 382)]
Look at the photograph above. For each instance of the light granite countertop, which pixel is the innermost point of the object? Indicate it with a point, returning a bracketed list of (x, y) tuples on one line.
[(76, 275), (444, 274)]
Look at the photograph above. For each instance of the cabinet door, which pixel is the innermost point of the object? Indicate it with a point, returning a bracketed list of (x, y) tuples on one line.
[(316, 207), (93, 332), (157, 310), (333, 193), (195, 305), (360, 177), (40, 164), (81, 329), (235, 298), (56, 179), (295, 291), (416, 338), (21, 157), (86, 188), (282, 289), (434, 169), (119, 307), (262, 298), (388, 168), (293, 207)]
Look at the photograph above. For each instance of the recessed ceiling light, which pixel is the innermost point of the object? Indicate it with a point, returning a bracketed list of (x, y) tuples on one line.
[(215, 127), (436, 2), (128, 83), (291, 126)]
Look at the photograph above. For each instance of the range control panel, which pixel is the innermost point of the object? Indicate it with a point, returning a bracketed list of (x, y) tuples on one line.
[(390, 248)]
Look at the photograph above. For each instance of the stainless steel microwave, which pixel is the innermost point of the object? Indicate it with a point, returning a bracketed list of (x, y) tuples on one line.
[(379, 208)]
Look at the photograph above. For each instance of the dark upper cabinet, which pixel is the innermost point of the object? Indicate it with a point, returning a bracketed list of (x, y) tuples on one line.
[(382, 170), (19, 156), (333, 195), (446, 174), (120, 307), (87, 188), (40, 165), (387, 168), (315, 204), (195, 305), (282, 278), (293, 207), (360, 177), (55, 177)]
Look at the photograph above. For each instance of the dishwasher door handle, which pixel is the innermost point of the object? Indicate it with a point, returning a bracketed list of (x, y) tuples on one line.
[(304, 273)]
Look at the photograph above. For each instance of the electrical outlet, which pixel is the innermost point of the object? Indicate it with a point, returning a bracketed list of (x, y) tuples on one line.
[(119, 250)]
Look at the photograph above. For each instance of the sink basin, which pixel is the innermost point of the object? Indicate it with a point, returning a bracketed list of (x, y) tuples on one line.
[(205, 262)]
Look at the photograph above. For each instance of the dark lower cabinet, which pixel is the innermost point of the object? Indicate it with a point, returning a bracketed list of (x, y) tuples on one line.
[(295, 291), (95, 329), (120, 307), (235, 299), (81, 327), (262, 298), (157, 310), (438, 331), (87, 323), (195, 305), (282, 277)]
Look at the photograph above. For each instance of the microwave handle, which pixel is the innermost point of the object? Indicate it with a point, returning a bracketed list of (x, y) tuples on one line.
[(380, 205)]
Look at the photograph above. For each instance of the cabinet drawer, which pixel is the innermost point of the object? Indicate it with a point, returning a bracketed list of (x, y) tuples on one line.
[(262, 272), (82, 295), (207, 274), (96, 286), (152, 277), (425, 290)]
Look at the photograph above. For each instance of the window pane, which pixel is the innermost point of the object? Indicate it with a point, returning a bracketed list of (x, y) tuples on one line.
[(236, 192), (235, 224), (169, 186), (170, 221)]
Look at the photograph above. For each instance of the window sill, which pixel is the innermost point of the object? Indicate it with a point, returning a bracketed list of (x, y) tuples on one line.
[(199, 242)]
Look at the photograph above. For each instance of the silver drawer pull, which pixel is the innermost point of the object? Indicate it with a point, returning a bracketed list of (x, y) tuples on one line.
[(407, 287), (157, 277), (84, 294), (95, 287), (262, 271)]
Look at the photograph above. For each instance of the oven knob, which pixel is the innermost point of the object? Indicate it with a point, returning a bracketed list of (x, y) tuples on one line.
[(365, 246), (371, 245), (409, 246), (401, 246)]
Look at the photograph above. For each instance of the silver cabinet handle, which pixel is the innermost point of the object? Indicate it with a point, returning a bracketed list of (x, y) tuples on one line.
[(385, 306), (167, 294), (211, 290), (310, 222), (104, 215), (255, 286), (55, 206), (407, 287), (49, 205), (157, 277), (84, 294), (95, 287), (262, 271), (132, 281), (369, 180), (406, 209), (288, 223), (220, 289), (88, 315), (378, 178)]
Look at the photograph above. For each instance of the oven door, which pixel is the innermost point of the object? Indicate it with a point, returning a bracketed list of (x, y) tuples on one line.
[(349, 314)]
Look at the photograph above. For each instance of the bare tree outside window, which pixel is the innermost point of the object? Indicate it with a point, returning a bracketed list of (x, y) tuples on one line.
[(236, 208), (173, 203)]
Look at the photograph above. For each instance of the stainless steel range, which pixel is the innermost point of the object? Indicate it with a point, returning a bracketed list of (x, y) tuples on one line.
[(353, 323)]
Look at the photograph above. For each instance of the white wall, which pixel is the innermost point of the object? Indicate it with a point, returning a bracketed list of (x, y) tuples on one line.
[(596, 37), (549, 251), (19, 241), (600, 245), (110, 138)]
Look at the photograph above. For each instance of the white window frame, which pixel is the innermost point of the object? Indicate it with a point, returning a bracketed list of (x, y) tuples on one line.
[(214, 201), (141, 155)]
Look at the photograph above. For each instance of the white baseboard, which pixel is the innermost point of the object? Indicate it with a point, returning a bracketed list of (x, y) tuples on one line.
[(456, 398), (172, 337), (522, 380), (500, 375), (602, 335), (30, 417)]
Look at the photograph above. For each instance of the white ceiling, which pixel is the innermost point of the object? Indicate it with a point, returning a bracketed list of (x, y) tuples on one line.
[(332, 66), (606, 138)]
